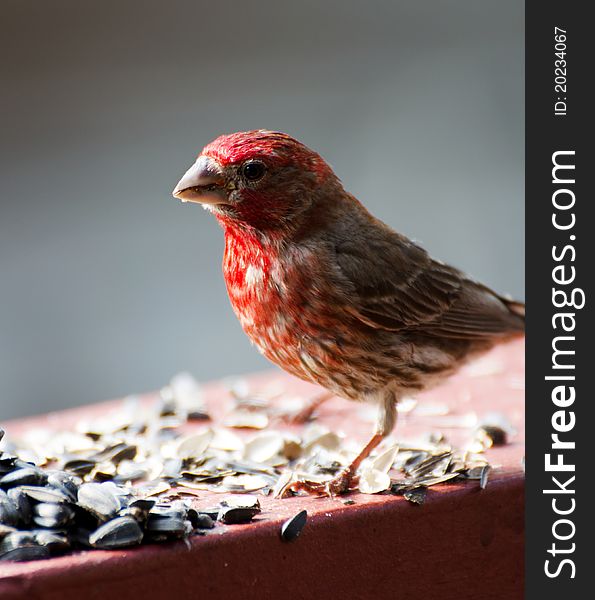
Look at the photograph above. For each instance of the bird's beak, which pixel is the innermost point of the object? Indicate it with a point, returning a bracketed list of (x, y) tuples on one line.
[(203, 182)]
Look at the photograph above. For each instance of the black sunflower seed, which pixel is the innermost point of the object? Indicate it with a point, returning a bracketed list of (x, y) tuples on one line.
[(138, 509), (80, 466), (496, 434), (144, 504), (99, 500), (116, 453), (22, 503), (23, 476), (198, 415), (16, 539), (237, 514), (9, 514), (200, 520), (28, 552), (64, 483), (416, 495), (167, 407), (53, 515), (292, 528), (44, 494), (173, 527), (56, 543), (7, 462), (117, 533)]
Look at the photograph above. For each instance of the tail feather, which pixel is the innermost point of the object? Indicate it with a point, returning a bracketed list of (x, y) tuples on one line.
[(518, 310)]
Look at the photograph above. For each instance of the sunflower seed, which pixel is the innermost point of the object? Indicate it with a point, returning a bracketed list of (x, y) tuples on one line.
[(292, 528), (483, 478), (99, 500), (384, 461), (144, 504), (264, 446), (52, 516), (64, 483), (116, 453), (171, 526), (56, 543), (16, 539), (44, 494), (497, 436), (22, 504), (475, 471), (9, 514), (23, 476), (416, 495), (24, 553), (372, 481), (198, 415), (80, 466), (436, 464), (429, 481), (194, 445), (203, 521), (236, 515), (117, 533), (246, 419), (316, 435)]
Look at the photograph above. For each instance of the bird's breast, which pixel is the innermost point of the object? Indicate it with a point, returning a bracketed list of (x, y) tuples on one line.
[(275, 304), (255, 290)]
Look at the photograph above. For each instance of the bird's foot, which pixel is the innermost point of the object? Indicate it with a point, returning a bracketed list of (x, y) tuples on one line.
[(345, 481)]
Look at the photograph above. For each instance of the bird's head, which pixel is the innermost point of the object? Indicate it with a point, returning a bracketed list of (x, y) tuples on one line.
[(260, 179)]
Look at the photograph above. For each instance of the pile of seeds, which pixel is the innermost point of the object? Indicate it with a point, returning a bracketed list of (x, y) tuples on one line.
[(47, 512), (129, 477)]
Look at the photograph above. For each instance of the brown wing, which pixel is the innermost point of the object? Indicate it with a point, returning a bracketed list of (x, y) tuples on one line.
[(397, 286)]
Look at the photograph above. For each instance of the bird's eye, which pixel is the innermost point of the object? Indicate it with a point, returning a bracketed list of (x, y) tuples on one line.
[(253, 170)]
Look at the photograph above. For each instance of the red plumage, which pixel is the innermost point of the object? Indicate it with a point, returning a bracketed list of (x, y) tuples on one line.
[(330, 293)]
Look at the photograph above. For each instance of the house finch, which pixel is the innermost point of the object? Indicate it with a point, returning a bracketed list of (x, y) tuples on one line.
[(330, 293)]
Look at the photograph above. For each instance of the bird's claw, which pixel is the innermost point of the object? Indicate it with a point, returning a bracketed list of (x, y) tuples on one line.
[(344, 482)]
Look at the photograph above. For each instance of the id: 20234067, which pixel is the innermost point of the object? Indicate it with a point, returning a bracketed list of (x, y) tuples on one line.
[(560, 72)]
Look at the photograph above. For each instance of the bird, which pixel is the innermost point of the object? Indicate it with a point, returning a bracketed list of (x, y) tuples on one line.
[(330, 293)]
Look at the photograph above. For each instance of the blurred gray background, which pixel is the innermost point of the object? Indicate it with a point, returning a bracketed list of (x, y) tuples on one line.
[(108, 285)]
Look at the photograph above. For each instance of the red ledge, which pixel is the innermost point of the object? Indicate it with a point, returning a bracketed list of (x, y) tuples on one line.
[(462, 543)]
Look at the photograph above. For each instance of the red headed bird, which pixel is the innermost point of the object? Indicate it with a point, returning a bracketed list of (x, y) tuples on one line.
[(330, 293)]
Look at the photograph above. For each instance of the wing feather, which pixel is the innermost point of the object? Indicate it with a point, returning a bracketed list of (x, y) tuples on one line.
[(397, 286)]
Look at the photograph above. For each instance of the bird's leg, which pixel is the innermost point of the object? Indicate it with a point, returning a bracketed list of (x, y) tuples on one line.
[(343, 482), (305, 414)]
